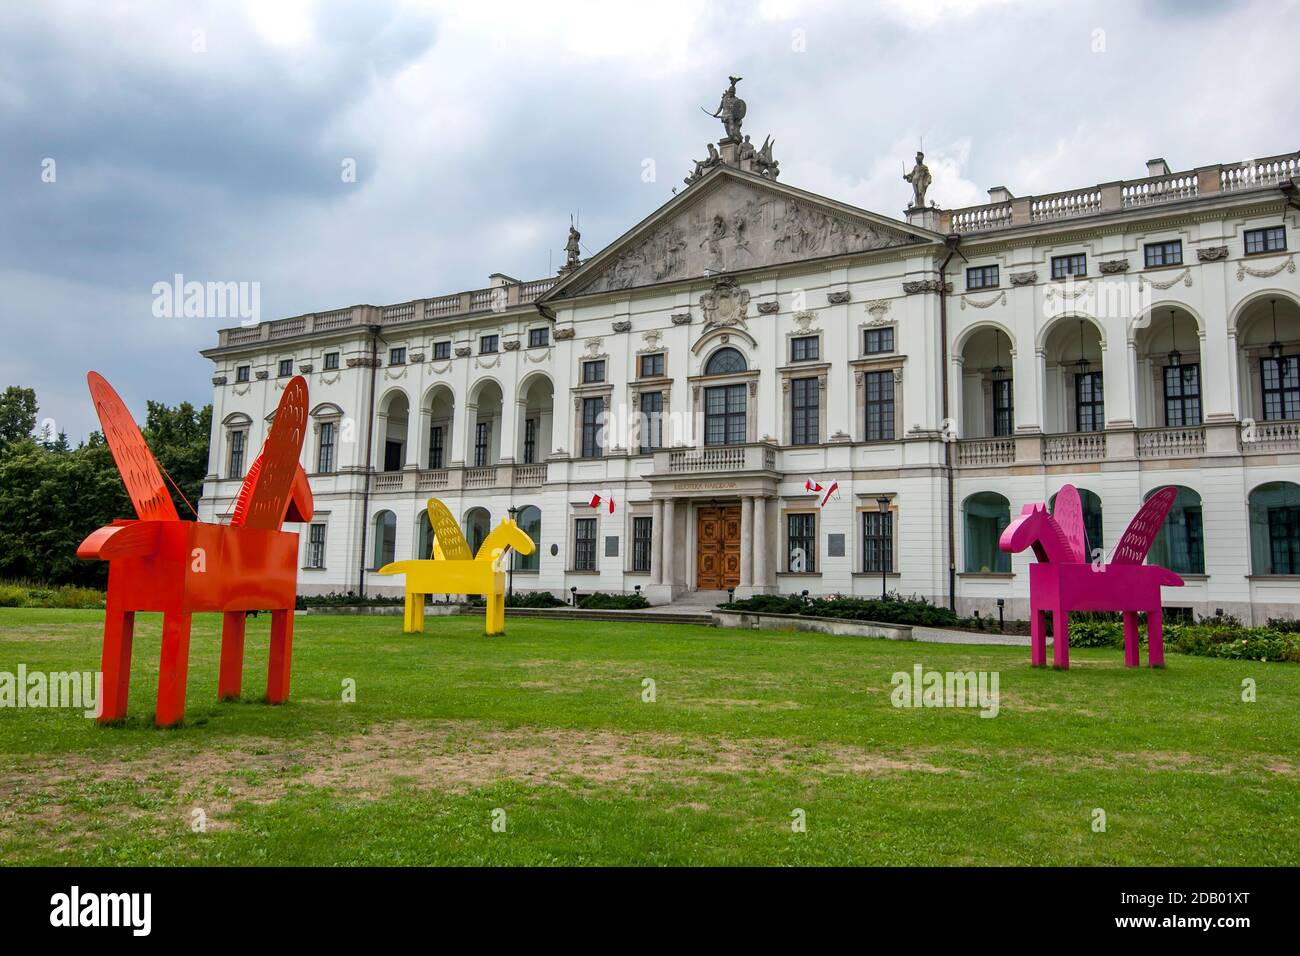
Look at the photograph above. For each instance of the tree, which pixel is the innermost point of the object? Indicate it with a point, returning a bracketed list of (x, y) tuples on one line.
[(178, 438), (17, 415)]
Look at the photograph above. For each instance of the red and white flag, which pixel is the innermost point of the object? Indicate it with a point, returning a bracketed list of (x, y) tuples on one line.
[(602, 498), (816, 488)]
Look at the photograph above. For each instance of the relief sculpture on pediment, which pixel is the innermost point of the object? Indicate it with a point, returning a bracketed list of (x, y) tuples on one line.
[(736, 227)]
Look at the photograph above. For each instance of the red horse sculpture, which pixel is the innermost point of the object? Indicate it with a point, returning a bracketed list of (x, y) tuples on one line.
[(161, 563), (1063, 579)]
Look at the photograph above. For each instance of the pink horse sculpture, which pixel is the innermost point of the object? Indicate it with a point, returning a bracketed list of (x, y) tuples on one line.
[(1063, 579)]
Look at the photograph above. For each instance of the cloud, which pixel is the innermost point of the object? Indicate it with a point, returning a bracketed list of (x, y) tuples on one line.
[(208, 139)]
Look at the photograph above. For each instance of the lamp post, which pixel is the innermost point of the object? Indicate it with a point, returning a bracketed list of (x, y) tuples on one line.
[(512, 511), (883, 504)]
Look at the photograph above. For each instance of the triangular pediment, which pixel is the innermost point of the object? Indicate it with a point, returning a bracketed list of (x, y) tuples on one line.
[(730, 222)]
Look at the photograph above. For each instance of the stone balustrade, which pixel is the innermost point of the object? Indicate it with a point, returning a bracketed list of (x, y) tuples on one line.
[(477, 301), (1125, 194)]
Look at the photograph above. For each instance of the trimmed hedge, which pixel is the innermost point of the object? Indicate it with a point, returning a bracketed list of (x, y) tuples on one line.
[(348, 599), (913, 610), (613, 602)]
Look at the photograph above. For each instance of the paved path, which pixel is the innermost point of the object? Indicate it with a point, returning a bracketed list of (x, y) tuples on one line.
[(938, 635)]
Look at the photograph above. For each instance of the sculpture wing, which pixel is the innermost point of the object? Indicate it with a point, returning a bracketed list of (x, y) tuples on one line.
[(136, 464), (1068, 512), (448, 541), (268, 485), (1141, 532)]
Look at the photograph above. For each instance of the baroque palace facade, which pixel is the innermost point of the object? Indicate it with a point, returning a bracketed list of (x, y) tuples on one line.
[(944, 369)]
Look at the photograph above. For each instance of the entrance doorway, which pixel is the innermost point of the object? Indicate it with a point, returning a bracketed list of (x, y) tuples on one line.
[(718, 548)]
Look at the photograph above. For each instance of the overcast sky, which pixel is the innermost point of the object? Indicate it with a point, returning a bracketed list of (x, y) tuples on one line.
[(209, 139)]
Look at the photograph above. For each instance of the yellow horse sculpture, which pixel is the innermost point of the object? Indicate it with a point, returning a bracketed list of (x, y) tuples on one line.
[(452, 570)]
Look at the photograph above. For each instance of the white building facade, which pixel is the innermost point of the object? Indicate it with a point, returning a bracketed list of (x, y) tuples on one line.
[(944, 370)]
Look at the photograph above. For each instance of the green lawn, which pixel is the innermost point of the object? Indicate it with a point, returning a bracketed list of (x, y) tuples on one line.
[(548, 725)]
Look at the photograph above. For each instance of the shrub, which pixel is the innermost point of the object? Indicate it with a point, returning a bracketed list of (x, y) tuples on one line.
[(1284, 625), (347, 599), (24, 594), (896, 610), (534, 599), (1096, 633), (12, 596), (613, 602)]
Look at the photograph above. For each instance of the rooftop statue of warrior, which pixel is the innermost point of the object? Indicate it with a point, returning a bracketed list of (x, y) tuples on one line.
[(920, 179), (731, 110), (572, 252)]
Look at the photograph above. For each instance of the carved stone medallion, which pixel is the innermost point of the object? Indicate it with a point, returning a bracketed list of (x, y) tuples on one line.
[(725, 304)]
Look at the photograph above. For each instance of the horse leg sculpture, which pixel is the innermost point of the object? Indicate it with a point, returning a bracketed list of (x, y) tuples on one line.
[(496, 614), (1038, 637), (277, 667), (413, 613), (173, 668), (1155, 636), (1061, 638), (1132, 654), (119, 629), (231, 678)]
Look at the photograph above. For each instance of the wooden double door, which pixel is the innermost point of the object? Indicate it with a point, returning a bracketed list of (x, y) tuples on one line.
[(717, 557)]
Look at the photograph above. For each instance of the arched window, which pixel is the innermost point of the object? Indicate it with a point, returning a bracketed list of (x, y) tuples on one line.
[(1275, 528), (1180, 543), (987, 513), (477, 525), (725, 362), (1091, 517), (530, 519), (385, 531), (423, 536)]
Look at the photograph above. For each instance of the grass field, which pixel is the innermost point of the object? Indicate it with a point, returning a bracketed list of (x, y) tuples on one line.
[(548, 725)]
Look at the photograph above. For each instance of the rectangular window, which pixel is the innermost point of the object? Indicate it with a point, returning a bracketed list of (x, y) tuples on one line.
[(1281, 380), (1004, 415), (879, 388), (982, 277), (487, 344), (1182, 395), (241, 373), (316, 546), (878, 341), (539, 338), (442, 350), (593, 410), (652, 414), (804, 413), (331, 361), (530, 441), (236, 468), (482, 442), (1271, 239), (801, 546), (652, 366), (393, 455), (724, 415), (435, 446), (593, 372), (1090, 403), (325, 449), (584, 550), (286, 368), (1284, 540), (805, 348), (397, 356), (1164, 253), (642, 537), (1065, 266), (877, 542)]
